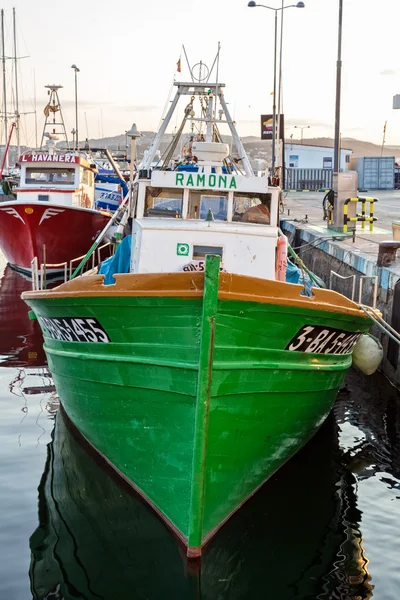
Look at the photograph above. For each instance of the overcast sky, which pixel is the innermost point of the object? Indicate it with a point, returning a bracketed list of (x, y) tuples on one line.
[(127, 52)]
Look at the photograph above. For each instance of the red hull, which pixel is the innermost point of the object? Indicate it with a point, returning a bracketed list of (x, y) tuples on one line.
[(65, 231)]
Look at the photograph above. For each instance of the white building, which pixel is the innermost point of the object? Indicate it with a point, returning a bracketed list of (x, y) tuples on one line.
[(306, 156)]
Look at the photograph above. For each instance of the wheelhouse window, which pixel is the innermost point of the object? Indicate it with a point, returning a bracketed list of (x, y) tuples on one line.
[(86, 177), (46, 176), (163, 203), (200, 203), (252, 208)]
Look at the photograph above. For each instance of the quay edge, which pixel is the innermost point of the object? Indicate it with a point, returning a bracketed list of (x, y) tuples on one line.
[(322, 257)]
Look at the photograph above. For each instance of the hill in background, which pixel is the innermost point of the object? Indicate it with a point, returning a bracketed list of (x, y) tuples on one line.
[(253, 145)]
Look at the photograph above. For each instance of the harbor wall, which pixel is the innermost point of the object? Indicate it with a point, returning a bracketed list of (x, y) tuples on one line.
[(322, 257)]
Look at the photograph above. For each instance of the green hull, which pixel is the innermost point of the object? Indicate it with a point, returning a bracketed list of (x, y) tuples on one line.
[(96, 539), (195, 401)]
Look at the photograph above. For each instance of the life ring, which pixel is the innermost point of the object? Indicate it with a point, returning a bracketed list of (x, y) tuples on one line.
[(281, 258)]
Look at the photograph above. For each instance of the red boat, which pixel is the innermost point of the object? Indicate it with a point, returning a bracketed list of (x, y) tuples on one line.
[(53, 217)]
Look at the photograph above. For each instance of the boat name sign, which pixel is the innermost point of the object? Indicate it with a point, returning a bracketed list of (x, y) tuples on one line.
[(62, 158), (71, 329), (323, 340), (213, 181)]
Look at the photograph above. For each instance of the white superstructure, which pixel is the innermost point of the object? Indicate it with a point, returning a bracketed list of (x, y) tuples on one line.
[(211, 202), (64, 179)]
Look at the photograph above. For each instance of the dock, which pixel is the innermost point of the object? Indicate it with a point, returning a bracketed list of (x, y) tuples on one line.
[(348, 263)]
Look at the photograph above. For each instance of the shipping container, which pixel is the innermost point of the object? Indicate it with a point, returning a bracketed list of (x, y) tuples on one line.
[(374, 172)]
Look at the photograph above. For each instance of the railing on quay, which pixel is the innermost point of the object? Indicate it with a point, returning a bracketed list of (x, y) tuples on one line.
[(362, 278), (362, 217)]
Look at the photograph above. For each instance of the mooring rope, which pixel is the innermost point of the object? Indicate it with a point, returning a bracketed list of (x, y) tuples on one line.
[(381, 323)]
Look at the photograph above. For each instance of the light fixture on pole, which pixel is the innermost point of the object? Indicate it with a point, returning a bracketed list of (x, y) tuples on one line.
[(76, 145), (302, 127), (73, 131), (275, 119), (133, 133)]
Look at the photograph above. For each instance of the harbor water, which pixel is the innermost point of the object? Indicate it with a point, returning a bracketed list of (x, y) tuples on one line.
[(325, 526)]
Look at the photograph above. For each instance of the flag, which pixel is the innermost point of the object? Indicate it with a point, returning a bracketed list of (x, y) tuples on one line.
[(51, 108), (178, 65)]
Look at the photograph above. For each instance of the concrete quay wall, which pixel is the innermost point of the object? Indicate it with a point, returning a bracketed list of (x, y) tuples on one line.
[(323, 256)]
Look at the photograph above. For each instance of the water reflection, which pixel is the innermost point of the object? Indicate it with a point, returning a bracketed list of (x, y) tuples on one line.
[(368, 413), (21, 349), (324, 527), (27, 404), (298, 537)]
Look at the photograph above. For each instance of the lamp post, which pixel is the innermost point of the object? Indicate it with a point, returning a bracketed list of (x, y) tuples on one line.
[(76, 145), (133, 133), (336, 152), (275, 120), (302, 127)]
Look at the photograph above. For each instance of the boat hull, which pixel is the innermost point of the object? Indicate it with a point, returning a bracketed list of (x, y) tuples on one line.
[(53, 233), (195, 398)]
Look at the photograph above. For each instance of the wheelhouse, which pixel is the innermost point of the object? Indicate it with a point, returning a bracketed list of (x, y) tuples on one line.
[(179, 221), (65, 179)]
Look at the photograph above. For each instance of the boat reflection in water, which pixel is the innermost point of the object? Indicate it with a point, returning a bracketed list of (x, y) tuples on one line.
[(297, 538), (21, 340), (21, 348)]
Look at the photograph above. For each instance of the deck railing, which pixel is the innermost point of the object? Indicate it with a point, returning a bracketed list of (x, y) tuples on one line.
[(40, 274)]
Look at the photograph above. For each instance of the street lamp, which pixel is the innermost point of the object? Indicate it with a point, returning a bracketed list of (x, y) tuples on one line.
[(253, 4), (76, 145), (302, 127), (336, 151), (133, 133)]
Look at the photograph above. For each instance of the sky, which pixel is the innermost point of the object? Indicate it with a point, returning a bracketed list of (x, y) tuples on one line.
[(127, 53)]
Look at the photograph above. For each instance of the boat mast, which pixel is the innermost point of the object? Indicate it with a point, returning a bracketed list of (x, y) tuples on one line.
[(236, 139), (156, 142), (17, 115), (53, 107), (34, 91), (4, 86)]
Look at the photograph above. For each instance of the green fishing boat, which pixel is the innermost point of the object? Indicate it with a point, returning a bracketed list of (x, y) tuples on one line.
[(199, 372)]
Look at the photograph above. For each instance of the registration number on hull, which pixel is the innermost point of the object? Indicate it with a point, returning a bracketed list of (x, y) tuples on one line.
[(73, 329), (323, 340)]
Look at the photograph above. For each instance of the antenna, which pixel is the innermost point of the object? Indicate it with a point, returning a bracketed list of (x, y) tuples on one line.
[(188, 64), (216, 80), (53, 107), (87, 131), (384, 137), (34, 100), (4, 84), (17, 116), (216, 60)]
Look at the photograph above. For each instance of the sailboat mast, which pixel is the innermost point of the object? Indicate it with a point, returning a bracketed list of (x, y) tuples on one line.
[(34, 91), (17, 116), (4, 85)]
